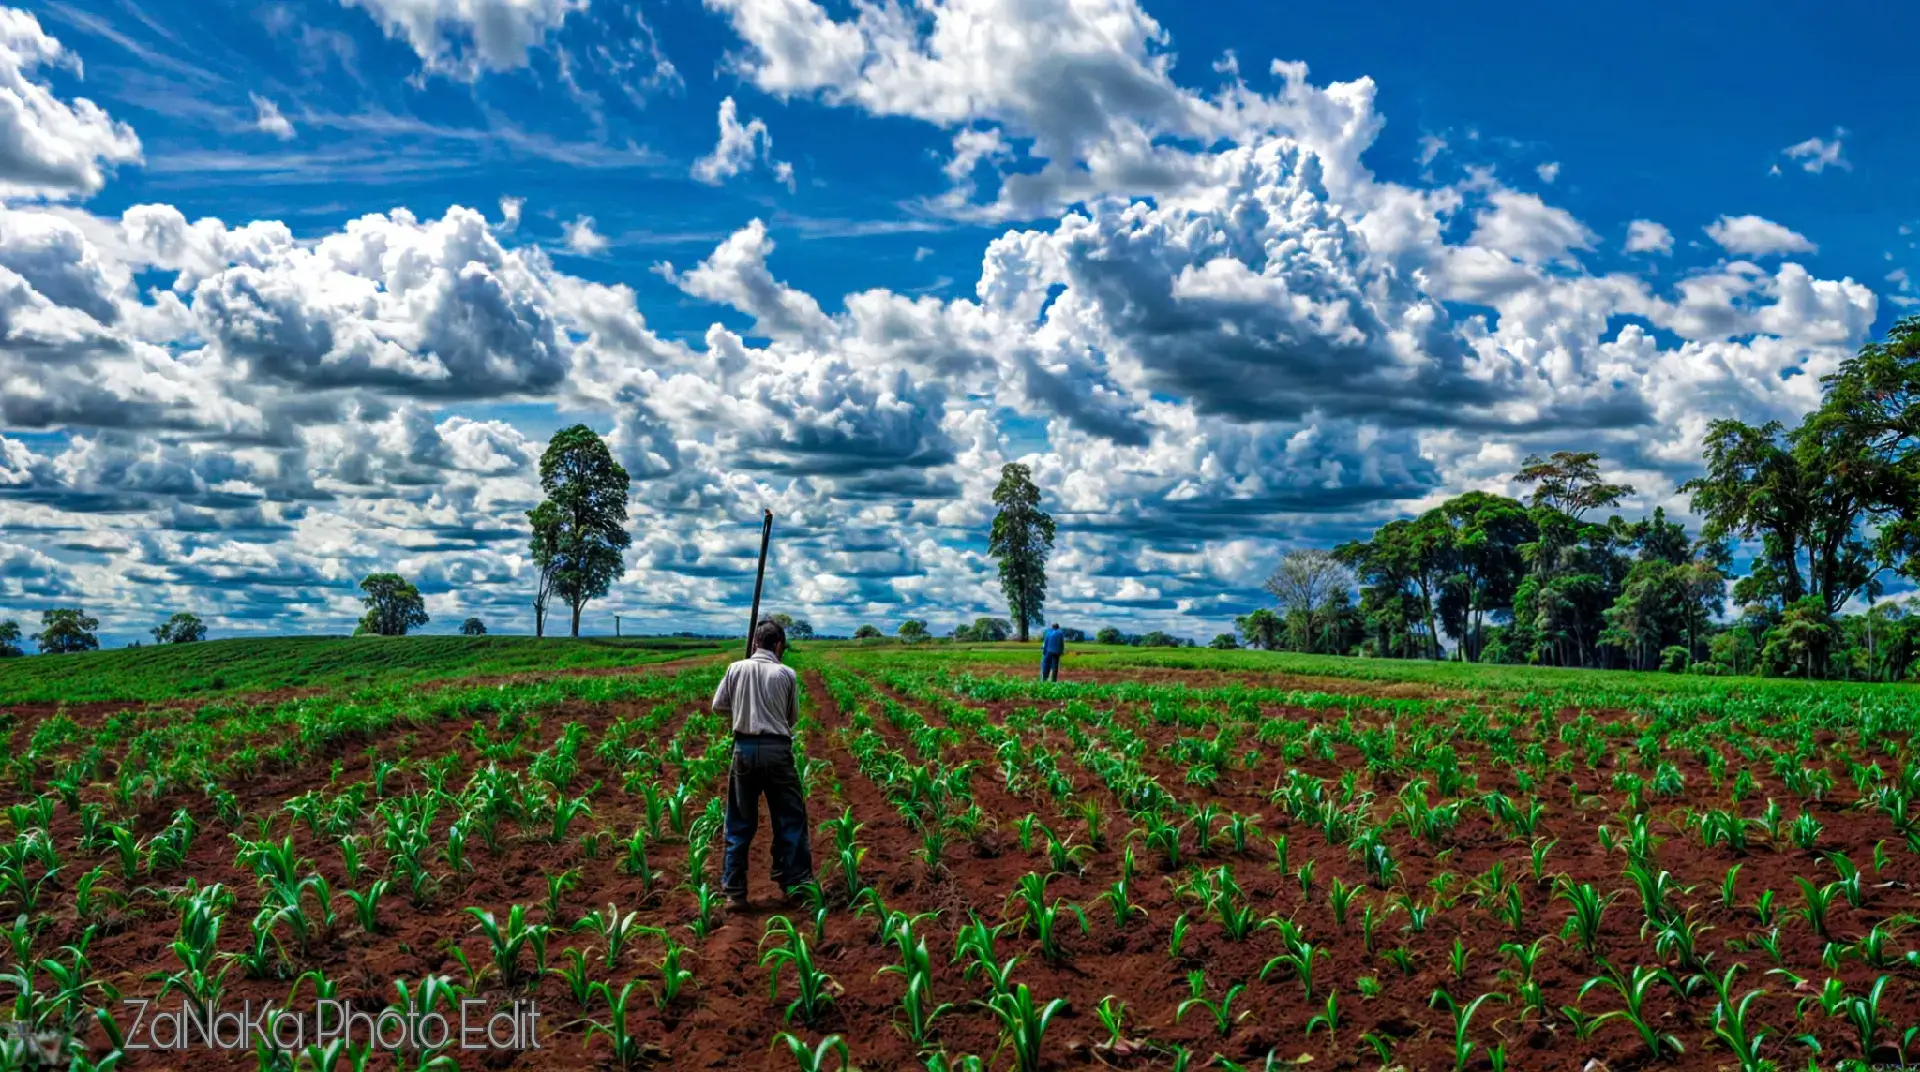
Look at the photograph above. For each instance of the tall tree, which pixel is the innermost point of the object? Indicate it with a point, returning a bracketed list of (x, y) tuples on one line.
[(1410, 557), (1261, 628), (1793, 494), (10, 640), (580, 530), (473, 627), (1310, 585), (1484, 534), (393, 605), (182, 628), (66, 629), (1573, 567), (1569, 482), (1868, 427), (1021, 538)]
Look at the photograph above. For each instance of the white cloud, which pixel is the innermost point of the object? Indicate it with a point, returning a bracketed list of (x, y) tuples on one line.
[(740, 147), (736, 274), (1818, 154), (268, 120), (1904, 291), (510, 209), (49, 147), (1528, 229), (1756, 236), (464, 36), (1087, 83), (1548, 171), (583, 239), (1646, 236)]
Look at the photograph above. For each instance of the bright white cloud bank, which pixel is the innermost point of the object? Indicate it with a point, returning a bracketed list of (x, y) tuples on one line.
[(1276, 347)]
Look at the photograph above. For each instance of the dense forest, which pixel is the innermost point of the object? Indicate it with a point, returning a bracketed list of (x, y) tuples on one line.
[(1825, 516)]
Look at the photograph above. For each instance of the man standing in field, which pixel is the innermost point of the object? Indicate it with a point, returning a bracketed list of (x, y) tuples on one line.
[(1053, 644), (762, 695)]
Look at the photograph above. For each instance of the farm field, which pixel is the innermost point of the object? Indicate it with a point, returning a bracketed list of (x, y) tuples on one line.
[(1208, 857)]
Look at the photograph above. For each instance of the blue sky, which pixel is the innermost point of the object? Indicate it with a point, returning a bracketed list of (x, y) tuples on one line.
[(1231, 276)]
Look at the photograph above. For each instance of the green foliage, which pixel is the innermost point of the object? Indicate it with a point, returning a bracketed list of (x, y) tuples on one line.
[(64, 630), (580, 528), (224, 667), (1021, 539), (984, 631), (182, 628), (393, 606)]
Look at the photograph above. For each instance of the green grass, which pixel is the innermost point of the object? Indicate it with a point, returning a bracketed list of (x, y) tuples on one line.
[(1617, 687), (225, 668), (228, 667)]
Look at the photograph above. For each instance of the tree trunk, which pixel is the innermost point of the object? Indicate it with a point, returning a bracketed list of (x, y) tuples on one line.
[(576, 620), (1021, 629), (539, 619), (1433, 631)]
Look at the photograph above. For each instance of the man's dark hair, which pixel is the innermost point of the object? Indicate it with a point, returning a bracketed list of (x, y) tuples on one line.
[(1056, 625), (768, 634)]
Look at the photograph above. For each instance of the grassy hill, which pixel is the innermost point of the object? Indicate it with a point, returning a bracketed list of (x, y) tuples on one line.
[(221, 667)]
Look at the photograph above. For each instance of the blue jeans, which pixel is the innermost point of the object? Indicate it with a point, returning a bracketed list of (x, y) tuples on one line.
[(763, 766), (1049, 666)]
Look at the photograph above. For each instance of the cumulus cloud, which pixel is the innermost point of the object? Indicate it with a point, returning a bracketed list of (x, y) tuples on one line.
[(466, 36), (50, 147), (1524, 227), (268, 120), (582, 238), (1756, 236), (1646, 236), (736, 274), (1086, 84), (739, 149), (437, 308)]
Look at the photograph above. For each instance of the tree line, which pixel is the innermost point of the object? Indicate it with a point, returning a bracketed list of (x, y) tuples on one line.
[(1829, 511)]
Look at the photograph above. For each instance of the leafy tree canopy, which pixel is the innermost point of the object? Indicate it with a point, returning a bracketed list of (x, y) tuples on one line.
[(797, 628), (393, 605), (580, 529), (182, 628), (67, 629), (1021, 538)]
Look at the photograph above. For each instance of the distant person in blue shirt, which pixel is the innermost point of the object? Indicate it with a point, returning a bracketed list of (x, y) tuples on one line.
[(1053, 644)]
